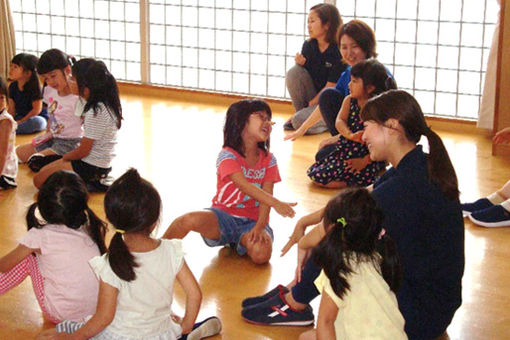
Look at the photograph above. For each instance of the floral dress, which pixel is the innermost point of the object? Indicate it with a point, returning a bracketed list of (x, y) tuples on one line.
[(333, 166)]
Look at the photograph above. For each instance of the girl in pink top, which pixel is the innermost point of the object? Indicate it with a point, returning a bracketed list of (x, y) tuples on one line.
[(63, 235)]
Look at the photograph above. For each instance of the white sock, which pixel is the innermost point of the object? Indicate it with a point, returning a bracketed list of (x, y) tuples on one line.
[(496, 198), (506, 205)]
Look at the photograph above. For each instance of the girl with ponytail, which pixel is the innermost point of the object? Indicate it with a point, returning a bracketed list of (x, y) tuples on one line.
[(63, 235), (137, 275), (360, 271), (102, 118)]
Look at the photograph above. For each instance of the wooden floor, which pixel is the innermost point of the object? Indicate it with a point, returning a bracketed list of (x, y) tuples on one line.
[(175, 144)]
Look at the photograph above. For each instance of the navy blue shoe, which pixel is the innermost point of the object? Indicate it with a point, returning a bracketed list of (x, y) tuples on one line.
[(495, 216), (209, 327), (251, 301), (288, 125), (276, 312), (469, 208)]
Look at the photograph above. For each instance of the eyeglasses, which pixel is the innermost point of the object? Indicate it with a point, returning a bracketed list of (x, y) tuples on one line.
[(263, 116)]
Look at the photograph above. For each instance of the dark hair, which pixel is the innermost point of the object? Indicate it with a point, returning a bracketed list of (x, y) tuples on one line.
[(236, 119), (355, 242), (329, 15), (402, 106), (94, 75), (372, 72), (29, 63), (63, 200), (3, 86), (53, 59), (362, 34), (133, 205)]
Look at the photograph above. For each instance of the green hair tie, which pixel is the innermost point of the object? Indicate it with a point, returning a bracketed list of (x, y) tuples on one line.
[(342, 221)]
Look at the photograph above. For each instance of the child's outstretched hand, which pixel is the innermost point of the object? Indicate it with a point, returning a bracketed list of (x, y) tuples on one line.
[(502, 136), (300, 59), (285, 209), (299, 231)]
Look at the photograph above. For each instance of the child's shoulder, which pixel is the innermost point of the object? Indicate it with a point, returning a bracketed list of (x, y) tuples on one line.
[(228, 153)]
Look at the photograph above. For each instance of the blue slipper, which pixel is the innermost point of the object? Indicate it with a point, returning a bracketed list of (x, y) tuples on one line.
[(469, 208), (495, 216)]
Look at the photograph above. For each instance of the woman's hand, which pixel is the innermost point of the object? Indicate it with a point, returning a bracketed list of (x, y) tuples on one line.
[(300, 59), (502, 136), (302, 257), (295, 135), (299, 231)]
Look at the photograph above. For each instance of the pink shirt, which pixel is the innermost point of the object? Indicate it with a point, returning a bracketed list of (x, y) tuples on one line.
[(70, 285), (229, 197), (62, 120)]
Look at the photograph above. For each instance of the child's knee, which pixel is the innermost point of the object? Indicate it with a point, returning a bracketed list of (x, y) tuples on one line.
[(260, 252)]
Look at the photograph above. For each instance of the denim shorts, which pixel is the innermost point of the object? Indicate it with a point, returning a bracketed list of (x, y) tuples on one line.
[(60, 146), (232, 228)]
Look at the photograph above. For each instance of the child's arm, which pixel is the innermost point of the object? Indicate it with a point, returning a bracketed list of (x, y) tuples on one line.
[(193, 297), (17, 255), (11, 106), (105, 312), (81, 151), (36, 109), (282, 208), (263, 219), (502, 136), (357, 164), (5, 134), (328, 312), (341, 121)]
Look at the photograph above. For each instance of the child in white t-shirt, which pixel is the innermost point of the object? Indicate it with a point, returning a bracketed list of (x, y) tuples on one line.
[(137, 275)]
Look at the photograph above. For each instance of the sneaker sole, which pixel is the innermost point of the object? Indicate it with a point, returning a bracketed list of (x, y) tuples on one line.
[(489, 224), (290, 323), (209, 327)]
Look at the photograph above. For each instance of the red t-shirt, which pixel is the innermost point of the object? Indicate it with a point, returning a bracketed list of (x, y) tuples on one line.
[(229, 197)]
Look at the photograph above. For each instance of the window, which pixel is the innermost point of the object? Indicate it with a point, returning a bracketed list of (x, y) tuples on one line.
[(437, 50)]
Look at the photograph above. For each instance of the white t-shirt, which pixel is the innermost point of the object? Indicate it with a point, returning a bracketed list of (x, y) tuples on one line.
[(144, 304), (61, 118), (70, 286), (102, 128), (11, 161), (369, 309)]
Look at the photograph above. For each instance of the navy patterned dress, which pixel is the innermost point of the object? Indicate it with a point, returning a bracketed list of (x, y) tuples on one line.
[(333, 166)]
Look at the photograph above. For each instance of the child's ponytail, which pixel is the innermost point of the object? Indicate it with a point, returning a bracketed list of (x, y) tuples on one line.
[(121, 260), (132, 205), (96, 230), (332, 247), (391, 269), (32, 220), (29, 63)]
